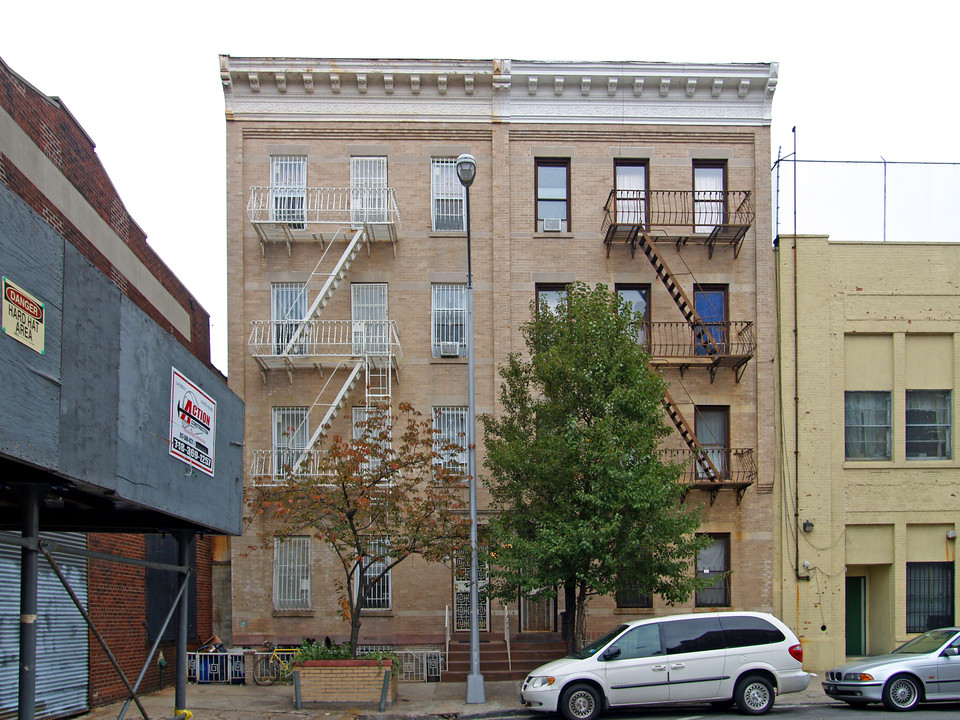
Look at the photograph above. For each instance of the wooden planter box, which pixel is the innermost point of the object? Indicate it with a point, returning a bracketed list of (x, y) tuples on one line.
[(346, 681)]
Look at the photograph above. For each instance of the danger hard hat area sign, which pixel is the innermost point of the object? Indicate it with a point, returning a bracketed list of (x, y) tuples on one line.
[(193, 423), (23, 316)]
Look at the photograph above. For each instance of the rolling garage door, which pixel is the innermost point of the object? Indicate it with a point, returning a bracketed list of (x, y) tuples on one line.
[(62, 649)]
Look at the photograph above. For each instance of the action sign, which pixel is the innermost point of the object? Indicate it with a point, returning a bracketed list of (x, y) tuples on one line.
[(23, 316), (193, 423)]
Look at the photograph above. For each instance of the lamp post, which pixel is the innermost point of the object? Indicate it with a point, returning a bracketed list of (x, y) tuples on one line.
[(466, 172)]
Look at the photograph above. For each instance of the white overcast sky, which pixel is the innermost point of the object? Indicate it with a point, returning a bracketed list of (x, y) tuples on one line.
[(859, 80)]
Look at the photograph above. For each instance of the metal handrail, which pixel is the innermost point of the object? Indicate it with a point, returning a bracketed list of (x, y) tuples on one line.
[(680, 340), (314, 205), (734, 465), (698, 211), (325, 338)]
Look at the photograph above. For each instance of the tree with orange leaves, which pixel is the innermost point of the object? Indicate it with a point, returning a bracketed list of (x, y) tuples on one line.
[(375, 500)]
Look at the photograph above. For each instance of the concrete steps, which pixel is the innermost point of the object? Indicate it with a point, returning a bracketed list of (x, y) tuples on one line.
[(527, 652)]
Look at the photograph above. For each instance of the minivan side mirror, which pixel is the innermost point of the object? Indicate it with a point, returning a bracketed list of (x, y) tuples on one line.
[(950, 652), (611, 653)]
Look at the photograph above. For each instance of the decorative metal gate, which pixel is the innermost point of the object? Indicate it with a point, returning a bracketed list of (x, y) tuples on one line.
[(461, 596), (538, 613)]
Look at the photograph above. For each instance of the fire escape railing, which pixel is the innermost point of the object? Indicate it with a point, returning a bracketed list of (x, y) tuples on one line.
[(707, 216), (269, 340)]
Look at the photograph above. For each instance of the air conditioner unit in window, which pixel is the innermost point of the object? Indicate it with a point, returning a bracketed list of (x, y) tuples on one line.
[(449, 349), (552, 224)]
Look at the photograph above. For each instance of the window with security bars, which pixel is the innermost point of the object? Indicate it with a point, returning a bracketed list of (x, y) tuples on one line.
[(291, 432), (867, 425), (448, 335), (930, 603), (291, 573), (368, 190), (446, 196), (928, 425), (379, 595), (288, 186), (451, 424), (713, 562), (288, 305), (629, 596)]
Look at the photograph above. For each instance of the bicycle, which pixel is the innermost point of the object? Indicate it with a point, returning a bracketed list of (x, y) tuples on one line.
[(270, 668)]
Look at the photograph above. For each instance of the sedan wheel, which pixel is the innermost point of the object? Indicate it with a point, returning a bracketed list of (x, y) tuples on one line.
[(754, 695), (580, 702), (901, 693)]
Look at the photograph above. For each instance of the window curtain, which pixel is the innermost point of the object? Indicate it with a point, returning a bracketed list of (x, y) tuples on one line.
[(867, 421)]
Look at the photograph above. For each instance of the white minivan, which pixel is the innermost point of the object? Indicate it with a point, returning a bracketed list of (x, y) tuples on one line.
[(722, 658)]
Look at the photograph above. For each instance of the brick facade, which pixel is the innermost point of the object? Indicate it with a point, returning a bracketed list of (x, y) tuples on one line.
[(509, 260)]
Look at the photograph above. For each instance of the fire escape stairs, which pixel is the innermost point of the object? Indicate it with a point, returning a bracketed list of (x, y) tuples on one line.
[(352, 377)]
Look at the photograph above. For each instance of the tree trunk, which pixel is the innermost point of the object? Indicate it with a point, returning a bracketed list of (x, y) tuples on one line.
[(354, 631), (580, 626), (568, 626)]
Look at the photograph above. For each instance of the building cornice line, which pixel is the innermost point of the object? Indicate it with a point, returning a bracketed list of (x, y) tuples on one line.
[(505, 90)]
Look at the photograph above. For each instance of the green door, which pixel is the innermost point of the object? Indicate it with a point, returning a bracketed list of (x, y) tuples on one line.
[(856, 615)]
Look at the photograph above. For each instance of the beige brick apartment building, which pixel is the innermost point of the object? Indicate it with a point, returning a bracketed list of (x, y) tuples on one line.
[(347, 268), (868, 507)]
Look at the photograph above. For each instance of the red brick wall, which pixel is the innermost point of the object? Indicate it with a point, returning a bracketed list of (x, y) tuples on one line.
[(117, 606)]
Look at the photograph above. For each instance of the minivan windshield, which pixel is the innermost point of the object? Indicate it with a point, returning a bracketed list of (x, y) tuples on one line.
[(597, 645), (927, 643)]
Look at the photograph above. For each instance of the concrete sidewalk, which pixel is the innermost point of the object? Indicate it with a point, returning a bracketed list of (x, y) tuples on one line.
[(417, 700)]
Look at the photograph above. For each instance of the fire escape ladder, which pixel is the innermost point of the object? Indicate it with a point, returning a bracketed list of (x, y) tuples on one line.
[(705, 466), (703, 336), (329, 286), (332, 410)]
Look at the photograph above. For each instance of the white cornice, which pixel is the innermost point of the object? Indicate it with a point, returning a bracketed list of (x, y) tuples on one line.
[(497, 90)]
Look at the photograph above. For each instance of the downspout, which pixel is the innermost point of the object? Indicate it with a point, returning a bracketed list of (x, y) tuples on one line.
[(796, 385)]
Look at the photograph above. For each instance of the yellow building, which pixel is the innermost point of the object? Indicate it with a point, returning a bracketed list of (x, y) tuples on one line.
[(868, 499), (347, 269)]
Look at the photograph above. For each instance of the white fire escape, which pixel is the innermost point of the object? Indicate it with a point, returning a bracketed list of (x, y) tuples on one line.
[(342, 222)]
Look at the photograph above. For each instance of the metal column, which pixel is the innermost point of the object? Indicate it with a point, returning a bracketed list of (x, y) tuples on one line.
[(27, 694), (184, 538)]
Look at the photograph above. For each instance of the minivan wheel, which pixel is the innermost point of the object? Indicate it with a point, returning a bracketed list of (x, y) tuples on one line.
[(754, 695), (901, 693), (580, 702)]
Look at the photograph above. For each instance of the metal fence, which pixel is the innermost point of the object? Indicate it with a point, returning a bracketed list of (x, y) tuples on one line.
[(215, 667)]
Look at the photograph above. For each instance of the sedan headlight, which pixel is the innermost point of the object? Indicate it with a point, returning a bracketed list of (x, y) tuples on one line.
[(539, 682), (858, 677)]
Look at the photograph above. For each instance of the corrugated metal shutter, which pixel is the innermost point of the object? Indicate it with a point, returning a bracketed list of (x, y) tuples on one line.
[(62, 640)]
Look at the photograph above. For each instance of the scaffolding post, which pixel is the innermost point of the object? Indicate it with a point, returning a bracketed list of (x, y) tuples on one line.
[(30, 528), (184, 538)]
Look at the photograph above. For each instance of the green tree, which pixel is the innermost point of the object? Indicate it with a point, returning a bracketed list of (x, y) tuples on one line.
[(585, 504), (375, 500)]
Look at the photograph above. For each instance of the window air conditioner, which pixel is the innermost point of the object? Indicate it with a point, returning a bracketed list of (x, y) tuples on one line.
[(552, 224), (449, 349)]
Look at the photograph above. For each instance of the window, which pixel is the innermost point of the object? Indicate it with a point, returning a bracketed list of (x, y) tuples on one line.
[(448, 334), (928, 428), (640, 642), (368, 308), (712, 426), (929, 596), (709, 195), (359, 415), (369, 202), (638, 297), (553, 194), (694, 635), (379, 596), (629, 596), (291, 432), (446, 196), (711, 561), (710, 304), (744, 631), (552, 294), (451, 424), (867, 425), (291, 573), (630, 184), (288, 186), (162, 586), (288, 305)]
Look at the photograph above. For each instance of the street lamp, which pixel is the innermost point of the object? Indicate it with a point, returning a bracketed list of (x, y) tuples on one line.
[(466, 172)]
